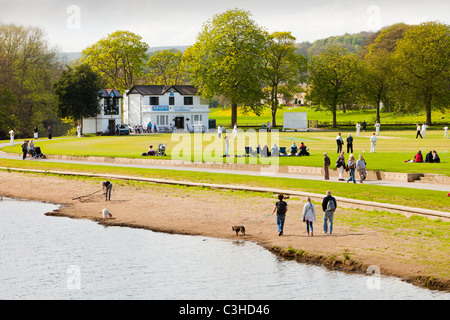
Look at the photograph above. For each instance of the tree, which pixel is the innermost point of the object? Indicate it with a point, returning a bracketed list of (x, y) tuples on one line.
[(33, 66), (8, 100), (332, 79), (422, 73), (119, 59), (226, 60), (378, 66), (283, 69), (165, 68), (77, 93)]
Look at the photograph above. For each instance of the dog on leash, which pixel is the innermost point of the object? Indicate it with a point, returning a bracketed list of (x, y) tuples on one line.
[(238, 229)]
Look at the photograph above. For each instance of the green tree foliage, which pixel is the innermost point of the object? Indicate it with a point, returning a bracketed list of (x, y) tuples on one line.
[(8, 100), (166, 68), (283, 70), (77, 93), (422, 73), (332, 79), (226, 60), (351, 42), (374, 79), (29, 67), (119, 59)]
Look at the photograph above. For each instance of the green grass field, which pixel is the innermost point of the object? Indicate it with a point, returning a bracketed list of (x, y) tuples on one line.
[(350, 117), (393, 148)]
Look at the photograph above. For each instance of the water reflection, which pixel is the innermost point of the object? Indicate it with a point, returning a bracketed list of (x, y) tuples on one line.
[(60, 258)]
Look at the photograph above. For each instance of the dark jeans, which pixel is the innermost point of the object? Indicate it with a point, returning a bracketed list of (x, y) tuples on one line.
[(108, 192), (349, 147), (309, 225), (280, 222)]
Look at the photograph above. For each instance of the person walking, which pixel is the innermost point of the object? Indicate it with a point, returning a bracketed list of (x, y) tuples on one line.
[(11, 135), (373, 143), (351, 165), (349, 143), (281, 209), (446, 132), (24, 149), (49, 132), (79, 131), (36, 132), (326, 166), (364, 125), (339, 142), (219, 131), (309, 216), (361, 166), (329, 206), (418, 132), (340, 165)]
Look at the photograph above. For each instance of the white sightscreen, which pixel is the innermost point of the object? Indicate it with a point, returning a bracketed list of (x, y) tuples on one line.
[(295, 121)]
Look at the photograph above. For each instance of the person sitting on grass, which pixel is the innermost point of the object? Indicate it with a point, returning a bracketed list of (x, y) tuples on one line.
[(436, 158), (418, 157), (429, 157), (151, 152)]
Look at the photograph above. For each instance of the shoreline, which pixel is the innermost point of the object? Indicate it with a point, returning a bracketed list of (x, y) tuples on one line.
[(199, 211)]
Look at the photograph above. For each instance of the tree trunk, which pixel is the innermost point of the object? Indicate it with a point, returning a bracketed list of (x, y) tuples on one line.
[(233, 114), (334, 118), (274, 105), (428, 113), (274, 114), (378, 111)]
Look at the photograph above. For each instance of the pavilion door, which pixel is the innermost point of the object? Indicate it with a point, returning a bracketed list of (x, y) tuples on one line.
[(179, 122)]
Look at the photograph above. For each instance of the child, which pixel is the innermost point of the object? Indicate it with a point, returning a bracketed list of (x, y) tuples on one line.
[(281, 209)]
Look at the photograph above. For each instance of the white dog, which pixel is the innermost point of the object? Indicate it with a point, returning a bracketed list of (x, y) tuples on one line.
[(106, 214)]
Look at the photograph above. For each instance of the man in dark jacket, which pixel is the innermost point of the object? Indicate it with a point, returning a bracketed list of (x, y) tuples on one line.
[(326, 165), (349, 143), (329, 205)]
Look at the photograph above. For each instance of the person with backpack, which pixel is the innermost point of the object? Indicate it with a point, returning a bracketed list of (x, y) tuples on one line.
[(281, 209), (329, 206)]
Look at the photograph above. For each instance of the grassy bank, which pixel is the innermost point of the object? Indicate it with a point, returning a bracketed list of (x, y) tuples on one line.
[(427, 199)]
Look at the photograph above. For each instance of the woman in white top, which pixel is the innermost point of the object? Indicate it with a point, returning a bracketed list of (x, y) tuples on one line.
[(309, 215)]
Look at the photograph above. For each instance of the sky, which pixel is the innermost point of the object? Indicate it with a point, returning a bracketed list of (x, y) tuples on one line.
[(72, 25)]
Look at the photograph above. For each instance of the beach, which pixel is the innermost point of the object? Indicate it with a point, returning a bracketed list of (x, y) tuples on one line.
[(212, 213)]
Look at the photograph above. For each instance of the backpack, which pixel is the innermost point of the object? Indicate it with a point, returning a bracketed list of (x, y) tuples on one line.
[(281, 207), (331, 205)]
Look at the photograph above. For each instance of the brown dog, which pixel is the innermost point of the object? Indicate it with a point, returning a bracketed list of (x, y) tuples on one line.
[(238, 229)]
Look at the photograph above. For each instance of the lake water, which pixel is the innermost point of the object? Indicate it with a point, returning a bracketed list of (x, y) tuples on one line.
[(60, 258)]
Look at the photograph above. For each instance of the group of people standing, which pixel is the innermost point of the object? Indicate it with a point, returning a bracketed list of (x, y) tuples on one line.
[(329, 206), (350, 166)]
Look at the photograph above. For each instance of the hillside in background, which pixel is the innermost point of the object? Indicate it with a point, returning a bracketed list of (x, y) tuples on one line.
[(352, 42)]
